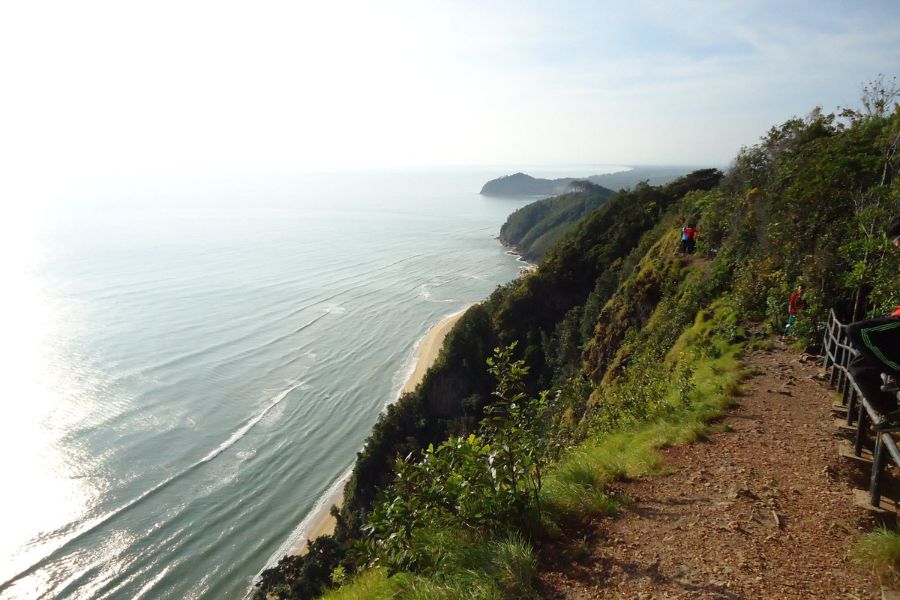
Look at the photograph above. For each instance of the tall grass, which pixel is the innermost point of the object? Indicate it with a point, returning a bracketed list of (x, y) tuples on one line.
[(514, 566), (881, 550), (463, 567)]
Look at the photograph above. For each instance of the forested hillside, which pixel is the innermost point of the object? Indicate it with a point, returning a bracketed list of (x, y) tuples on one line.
[(533, 229), (569, 377)]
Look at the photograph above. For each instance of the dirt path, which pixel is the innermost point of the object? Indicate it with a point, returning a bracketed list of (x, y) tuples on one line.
[(763, 511)]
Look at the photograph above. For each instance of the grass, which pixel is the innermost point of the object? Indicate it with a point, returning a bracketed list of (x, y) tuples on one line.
[(881, 550), (515, 566), (463, 567), (372, 583)]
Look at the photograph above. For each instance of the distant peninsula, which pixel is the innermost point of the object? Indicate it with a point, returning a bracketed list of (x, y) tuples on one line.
[(522, 184), (535, 228)]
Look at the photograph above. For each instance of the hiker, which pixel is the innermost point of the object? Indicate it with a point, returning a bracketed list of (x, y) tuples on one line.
[(795, 303), (687, 240), (878, 343)]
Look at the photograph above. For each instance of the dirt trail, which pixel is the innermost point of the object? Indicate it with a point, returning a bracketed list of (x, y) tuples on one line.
[(763, 511)]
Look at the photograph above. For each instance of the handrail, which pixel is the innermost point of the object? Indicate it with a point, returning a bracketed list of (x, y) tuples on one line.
[(837, 355)]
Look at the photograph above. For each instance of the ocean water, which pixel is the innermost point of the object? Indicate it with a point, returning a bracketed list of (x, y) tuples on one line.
[(192, 363)]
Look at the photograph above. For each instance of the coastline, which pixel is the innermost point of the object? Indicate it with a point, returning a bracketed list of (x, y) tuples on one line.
[(527, 266), (513, 250), (320, 522)]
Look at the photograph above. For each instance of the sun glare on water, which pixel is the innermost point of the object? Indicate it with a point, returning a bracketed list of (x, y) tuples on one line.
[(49, 491)]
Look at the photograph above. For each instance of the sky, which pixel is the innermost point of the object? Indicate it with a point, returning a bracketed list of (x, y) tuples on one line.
[(96, 89)]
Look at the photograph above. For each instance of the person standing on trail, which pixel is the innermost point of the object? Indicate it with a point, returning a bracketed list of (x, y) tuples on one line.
[(795, 304), (877, 342), (687, 240)]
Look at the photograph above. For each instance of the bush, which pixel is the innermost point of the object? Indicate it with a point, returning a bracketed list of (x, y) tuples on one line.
[(486, 483)]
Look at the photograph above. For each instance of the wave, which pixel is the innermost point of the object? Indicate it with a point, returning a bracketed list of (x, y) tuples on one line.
[(98, 522), (407, 369), (363, 279)]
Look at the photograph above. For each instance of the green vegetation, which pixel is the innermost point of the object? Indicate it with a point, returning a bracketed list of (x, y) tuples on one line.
[(648, 409), (881, 550), (614, 347), (469, 569), (534, 229), (486, 484)]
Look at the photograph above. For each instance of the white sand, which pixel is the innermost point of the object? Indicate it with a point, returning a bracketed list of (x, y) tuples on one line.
[(429, 349)]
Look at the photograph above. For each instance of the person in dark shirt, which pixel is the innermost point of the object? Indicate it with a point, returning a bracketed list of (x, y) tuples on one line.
[(877, 342)]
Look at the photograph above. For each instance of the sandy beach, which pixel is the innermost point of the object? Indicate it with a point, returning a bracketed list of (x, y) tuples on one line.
[(320, 522)]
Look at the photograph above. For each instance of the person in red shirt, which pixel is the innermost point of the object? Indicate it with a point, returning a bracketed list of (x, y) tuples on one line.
[(795, 303), (687, 239)]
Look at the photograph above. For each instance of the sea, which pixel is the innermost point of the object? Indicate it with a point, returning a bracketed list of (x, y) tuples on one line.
[(190, 363)]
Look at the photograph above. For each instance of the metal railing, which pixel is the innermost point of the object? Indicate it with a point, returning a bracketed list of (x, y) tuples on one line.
[(838, 354)]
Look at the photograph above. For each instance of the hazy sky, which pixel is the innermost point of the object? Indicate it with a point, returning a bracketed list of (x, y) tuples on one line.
[(121, 87)]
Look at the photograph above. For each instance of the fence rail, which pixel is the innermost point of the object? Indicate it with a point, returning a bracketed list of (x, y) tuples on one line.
[(838, 354)]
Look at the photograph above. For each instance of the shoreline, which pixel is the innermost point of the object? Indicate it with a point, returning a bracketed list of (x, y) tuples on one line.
[(319, 522), (513, 250)]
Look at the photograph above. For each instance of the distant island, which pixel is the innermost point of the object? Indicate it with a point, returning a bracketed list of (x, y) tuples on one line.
[(522, 184)]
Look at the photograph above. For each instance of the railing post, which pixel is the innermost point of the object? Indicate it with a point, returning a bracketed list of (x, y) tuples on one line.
[(846, 388), (862, 426), (843, 383), (827, 341), (877, 470)]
